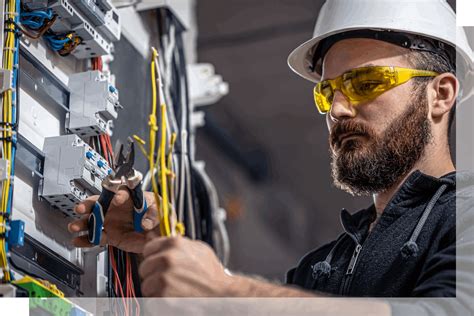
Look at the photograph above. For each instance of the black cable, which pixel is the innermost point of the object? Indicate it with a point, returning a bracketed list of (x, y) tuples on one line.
[(203, 204), (110, 288), (135, 275)]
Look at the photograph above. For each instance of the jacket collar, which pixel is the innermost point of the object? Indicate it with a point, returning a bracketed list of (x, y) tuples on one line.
[(418, 188)]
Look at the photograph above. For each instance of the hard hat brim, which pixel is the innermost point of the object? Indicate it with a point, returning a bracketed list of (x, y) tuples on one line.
[(300, 59)]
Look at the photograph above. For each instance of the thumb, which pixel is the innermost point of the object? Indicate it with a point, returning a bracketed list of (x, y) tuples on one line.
[(150, 219)]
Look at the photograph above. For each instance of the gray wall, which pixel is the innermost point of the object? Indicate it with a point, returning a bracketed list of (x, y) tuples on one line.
[(270, 114)]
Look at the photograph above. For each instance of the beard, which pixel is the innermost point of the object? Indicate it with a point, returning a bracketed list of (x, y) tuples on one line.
[(373, 166)]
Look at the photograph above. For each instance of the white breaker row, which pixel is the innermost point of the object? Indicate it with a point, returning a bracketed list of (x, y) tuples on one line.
[(73, 171), (93, 104), (96, 22)]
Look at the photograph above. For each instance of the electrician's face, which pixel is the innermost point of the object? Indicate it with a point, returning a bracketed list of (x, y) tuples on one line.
[(374, 143)]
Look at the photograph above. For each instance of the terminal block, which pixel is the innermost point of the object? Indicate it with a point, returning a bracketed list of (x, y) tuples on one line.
[(112, 26), (16, 234), (103, 15), (93, 102), (70, 19), (46, 299), (35, 4), (72, 172)]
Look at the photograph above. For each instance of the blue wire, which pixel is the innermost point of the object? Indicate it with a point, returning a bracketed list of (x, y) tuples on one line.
[(56, 44), (35, 19), (40, 14)]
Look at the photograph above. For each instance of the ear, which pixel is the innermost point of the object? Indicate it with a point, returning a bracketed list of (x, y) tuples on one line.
[(443, 91)]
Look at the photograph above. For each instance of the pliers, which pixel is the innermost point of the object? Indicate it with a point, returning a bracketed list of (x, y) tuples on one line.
[(124, 174)]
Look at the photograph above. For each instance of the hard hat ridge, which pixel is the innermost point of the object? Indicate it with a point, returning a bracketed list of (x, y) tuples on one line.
[(409, 41)]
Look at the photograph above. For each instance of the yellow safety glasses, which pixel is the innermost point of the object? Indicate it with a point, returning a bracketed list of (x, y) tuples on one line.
[(364, 84)]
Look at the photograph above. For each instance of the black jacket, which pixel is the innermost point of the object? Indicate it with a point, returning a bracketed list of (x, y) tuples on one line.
[(411, 252)]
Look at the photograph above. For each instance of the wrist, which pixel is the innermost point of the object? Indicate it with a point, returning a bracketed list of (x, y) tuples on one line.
[(236, 286)]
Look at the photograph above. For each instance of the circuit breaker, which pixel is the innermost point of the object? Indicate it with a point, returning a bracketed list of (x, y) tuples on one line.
[(72, 172), (93, 102), (69, 19)]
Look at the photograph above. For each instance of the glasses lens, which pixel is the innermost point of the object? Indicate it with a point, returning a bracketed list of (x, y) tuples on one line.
[(366, 83), (323, 96)]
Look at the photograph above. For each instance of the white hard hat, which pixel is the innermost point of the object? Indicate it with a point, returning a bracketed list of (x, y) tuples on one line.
[(430, 19)]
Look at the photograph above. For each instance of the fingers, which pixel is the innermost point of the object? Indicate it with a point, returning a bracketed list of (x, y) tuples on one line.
[(150, 219), (153, 285), (83, 241), (122, 199), (156, 262), (160, 244), (78, 225), (85, 207)]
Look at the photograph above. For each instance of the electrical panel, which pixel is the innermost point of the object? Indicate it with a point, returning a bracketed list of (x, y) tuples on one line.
[(93, 103), (57, 93), (60, 104), (73, 171), (93, 43)]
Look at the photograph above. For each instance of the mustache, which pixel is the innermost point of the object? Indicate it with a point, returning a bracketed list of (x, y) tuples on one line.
[(347, 128)]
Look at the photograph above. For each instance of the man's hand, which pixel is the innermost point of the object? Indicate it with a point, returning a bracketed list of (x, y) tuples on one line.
[(118, 224), (180, 267)]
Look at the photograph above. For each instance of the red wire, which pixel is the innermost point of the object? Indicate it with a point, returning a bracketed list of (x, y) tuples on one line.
[(99, 63), (131, 288), (109, 146), (117, 279), (103, 144)]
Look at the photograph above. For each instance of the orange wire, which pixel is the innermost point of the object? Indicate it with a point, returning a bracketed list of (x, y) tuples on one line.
[(118, 283), (104, 148), (108, 143)]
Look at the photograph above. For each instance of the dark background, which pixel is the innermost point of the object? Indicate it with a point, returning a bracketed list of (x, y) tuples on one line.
[(277, 188)]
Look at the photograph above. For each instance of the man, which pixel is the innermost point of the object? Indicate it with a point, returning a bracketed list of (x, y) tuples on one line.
[(388, 90)]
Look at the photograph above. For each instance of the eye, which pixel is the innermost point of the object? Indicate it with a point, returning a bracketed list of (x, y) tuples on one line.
[(367, 86)]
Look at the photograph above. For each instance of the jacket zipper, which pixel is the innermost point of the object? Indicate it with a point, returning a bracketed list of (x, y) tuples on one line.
[(350, 270)]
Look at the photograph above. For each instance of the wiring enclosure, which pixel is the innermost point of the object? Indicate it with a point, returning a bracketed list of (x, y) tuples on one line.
[(73, 171)]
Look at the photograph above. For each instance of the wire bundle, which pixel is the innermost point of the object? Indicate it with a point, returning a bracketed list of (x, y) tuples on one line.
[(123, 281), (38, 23), (186, 205), (9, 128), (122, 266)]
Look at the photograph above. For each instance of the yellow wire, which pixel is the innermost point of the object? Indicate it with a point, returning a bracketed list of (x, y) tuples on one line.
[(163, 173), (141, 144), (7, 117), (164, 160), (164, 211), (153, 127)]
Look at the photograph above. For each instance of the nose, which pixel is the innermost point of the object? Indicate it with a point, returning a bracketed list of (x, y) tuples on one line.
[(341, 108)]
